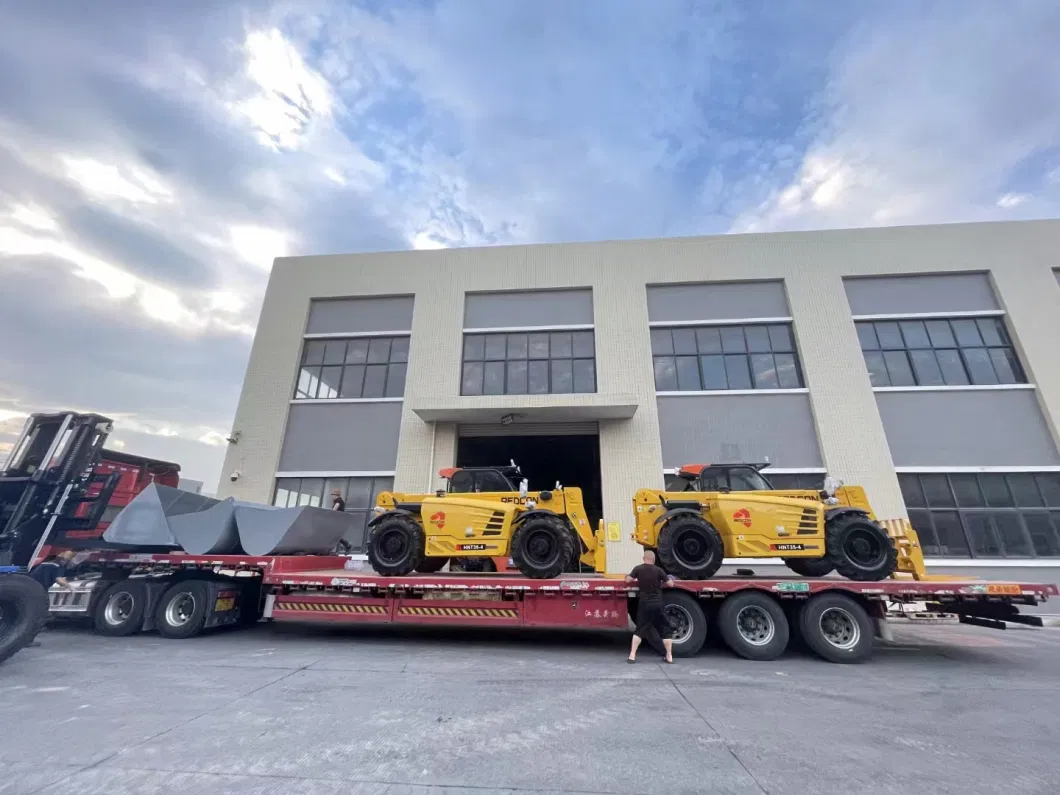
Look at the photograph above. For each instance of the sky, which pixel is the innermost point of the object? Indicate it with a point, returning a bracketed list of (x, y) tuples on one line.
[(156, 157)]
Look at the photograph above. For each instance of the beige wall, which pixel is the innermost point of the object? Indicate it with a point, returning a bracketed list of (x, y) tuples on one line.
[(1020, 255)]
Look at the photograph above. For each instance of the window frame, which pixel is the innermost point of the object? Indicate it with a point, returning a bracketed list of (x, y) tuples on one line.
[(394, 368), (534, 368), (377, 484)]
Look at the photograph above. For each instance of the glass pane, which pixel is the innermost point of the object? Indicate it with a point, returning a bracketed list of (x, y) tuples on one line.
[(687, 373), (1049, 485), (352, 381), (330, 484), (471, 380), (996, 491), (1024, 490), (379, 485), (757, 339), (981, 535), (395, 380), (980, 368), (311, 492), (763, 371), (665, 374), (940, 333), (539, 346), (462, 482), (787, 371), (921, 521), (493, 377), (357, 352), (1014, 540), (584, 345), (359, 494), (966, 489), (737, 372), (708, 340), (374, 381), (496, 347), (517, 346), (562, 345), (474, 347), (308, 381), (953, 372), (516, 377), (562, 377), (780, 339), (1042, 533), (537, 376), (950, 534), (1005, 366), (912, 493), (926, 367), (379, 350), (329, 382), (662, 342), (335, 352), (784, 482), (314, 352), (684, 341), (990, 331), (399, 349), (890, 336), (937, 491), (355, 536), (967, 333), (914, 334), (732, 340), (877, 369), (285, 489), (867, 337), (584, 376), (898, 368), (713, 372)]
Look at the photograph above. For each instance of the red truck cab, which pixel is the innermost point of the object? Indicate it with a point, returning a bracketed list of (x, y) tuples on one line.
[(137, 473)]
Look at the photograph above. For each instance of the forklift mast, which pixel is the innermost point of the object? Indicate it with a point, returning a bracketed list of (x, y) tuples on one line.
[(47, 477)]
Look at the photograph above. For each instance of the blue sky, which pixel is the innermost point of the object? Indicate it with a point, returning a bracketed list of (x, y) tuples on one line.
[(155, 160)]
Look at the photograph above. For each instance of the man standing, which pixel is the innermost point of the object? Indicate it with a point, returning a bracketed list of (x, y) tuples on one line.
[(651, 621), (337, 503)]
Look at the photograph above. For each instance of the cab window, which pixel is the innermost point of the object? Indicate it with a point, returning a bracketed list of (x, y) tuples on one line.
[(713, 480), (491, 480), (746, 479), (461, 483)]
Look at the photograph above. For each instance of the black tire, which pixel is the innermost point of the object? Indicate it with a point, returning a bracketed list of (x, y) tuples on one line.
[(431, 565), (542, 546), (836, 627), (859, 549), (119, 611), (688, 622), (396, 545), (810, 567), (753, 625), (23, 611), (690, 547), (181, 612)]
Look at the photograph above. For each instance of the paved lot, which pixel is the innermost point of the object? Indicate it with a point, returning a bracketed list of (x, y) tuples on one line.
[(944, 710)]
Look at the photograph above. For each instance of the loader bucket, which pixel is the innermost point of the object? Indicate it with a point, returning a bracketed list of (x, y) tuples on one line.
[(208, 532), (291, 531), (145, 522)]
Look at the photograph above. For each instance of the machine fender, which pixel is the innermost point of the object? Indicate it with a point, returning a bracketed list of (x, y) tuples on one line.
[(535, 513), (675, 512), (833, 513), (381, 516)]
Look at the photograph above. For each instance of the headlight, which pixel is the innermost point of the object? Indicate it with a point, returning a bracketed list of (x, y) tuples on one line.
[(831, 486)]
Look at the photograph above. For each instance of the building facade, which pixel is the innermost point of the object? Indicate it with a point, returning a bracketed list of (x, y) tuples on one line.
[(920, 362)]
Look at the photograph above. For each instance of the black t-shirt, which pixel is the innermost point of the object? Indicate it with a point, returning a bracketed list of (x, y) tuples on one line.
[(650, 579), (338, 504), (47, 573)]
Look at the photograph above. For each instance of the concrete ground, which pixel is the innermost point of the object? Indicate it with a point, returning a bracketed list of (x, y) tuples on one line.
[(945, 709)]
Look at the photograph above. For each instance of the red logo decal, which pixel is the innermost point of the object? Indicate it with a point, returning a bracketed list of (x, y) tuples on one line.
[(438, 519), (742, 516)]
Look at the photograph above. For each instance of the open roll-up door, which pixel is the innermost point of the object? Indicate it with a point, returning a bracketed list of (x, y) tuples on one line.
[(531, 429)]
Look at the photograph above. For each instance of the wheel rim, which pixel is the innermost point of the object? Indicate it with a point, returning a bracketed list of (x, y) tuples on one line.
[(180, 609), (540, 547), (755, 625), (393, 545), (680, 623), (691, 549), (863, 547), (840, 628), (119, 608)]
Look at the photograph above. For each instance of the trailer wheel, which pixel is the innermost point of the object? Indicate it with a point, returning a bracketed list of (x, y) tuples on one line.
[(431, 565), (688, 622), (690, 547), (860, 549), (541, 547), (753, 625), (810, 567), (396, 544), (837, 628), (120, 610), (23, 610), (181, 612)]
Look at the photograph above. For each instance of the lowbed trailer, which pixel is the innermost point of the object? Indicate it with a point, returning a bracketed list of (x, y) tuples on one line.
[(181, 596)]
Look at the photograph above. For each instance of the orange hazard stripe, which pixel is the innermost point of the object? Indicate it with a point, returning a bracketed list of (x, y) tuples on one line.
[(331, 607), (458, 612)]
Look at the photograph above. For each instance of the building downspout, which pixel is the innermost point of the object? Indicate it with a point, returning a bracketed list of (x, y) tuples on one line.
[(430, 465)]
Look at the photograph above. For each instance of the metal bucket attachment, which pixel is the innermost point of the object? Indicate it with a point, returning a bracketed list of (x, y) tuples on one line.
[(144, 522), (292, 531), (208, 532)]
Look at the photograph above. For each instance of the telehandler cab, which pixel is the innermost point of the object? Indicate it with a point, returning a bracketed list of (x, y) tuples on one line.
[(710, 512), (482, 514)]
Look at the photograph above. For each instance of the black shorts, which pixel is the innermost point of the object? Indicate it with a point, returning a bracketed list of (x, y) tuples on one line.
[(651, 618)]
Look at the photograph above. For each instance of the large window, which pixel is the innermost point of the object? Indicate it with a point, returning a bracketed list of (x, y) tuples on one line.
[(359, 494), (985, 515), (707, 358), (363, 367), (943, 352), (535, 363)]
